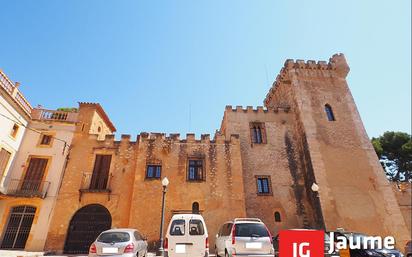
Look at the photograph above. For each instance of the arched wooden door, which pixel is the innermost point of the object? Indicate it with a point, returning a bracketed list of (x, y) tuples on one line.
[(18, 227), (85, 225)]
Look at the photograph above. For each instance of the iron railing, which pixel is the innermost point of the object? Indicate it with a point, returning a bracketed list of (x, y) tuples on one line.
[(26, 188), (100, 184)]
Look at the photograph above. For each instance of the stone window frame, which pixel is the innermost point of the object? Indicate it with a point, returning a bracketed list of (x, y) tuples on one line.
[(262, 129), (203, 170), (257, 177)]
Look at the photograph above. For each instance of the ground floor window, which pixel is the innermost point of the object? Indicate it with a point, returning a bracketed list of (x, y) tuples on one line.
[(18, 227)]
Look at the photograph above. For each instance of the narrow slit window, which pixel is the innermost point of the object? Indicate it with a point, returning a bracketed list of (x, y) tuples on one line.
[(277, 217), (329, 113), (195, 208)]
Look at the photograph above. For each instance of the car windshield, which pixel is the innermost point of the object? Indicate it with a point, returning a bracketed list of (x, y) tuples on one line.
[(177, 228), (114, 237), (251, 230)]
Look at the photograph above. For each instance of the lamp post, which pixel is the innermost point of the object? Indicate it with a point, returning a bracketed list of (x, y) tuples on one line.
[(165, 183), (315, 189)]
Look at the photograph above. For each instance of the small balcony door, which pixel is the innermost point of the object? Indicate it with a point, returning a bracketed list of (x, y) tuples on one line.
[(34, 174), (100, 174)]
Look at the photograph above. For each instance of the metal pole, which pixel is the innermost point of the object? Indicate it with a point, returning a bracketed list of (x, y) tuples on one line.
[(161, 250)]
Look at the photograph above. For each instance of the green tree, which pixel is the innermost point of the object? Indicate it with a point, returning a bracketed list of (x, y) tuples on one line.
[(394, 150)]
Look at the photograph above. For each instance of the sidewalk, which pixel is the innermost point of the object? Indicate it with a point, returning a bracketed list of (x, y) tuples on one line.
[(7, 253)]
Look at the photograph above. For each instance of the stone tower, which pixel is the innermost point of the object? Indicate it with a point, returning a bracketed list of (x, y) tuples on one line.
[(335, 151)]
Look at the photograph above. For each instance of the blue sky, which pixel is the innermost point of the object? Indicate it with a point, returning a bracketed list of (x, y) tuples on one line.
[(172, 66)]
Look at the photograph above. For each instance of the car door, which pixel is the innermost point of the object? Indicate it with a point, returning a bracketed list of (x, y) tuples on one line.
[(226, 237), (196, 232), (178, 238), (140, 243), (219, 241)]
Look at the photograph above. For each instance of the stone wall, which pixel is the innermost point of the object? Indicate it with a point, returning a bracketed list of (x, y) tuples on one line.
[(135, 201), (275, 158)]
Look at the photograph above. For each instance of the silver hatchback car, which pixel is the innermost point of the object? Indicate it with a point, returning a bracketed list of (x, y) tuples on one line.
[(244, 237), (119, 243)]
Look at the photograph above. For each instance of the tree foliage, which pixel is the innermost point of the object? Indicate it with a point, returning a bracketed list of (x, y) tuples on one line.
[(394, 150)]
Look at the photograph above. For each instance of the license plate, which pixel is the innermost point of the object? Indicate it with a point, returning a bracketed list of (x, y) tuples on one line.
[(253, 245), (110, 250), (180, 248)]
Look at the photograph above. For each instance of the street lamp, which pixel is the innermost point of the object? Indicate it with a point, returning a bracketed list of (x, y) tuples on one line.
[(315, 187), (165, 183)]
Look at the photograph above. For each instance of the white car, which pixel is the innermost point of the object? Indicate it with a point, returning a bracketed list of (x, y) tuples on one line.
[(244, 237), (187, 236), (119, 243)]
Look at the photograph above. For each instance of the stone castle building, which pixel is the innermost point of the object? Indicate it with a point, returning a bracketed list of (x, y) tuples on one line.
[(262, 162)]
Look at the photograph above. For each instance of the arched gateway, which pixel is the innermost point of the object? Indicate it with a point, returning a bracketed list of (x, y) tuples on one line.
[(86, 224)]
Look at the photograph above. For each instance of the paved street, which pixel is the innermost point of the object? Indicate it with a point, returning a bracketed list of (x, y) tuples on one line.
[(5, 253)]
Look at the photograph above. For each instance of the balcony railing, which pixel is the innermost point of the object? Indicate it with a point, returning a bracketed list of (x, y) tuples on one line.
[(51, 115), (100, 184), (27, 188), (12, 89)]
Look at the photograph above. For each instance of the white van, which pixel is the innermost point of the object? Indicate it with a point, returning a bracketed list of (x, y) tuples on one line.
[(187, 236)]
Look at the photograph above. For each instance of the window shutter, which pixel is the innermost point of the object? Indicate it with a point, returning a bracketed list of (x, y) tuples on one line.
[(34, 173), (4, 160), (263, 131), (101, 169), (252, 133)]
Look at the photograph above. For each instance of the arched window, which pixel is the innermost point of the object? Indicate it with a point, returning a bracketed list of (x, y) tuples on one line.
[(277, 217), (329, 112), (258, 133), (195, 208)]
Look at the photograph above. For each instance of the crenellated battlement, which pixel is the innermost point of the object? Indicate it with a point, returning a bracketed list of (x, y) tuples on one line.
[(257, 109), (337, 64), (190, 138)]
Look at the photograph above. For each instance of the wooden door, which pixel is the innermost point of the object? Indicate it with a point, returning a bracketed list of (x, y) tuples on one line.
[(34, 174), (100, 174)]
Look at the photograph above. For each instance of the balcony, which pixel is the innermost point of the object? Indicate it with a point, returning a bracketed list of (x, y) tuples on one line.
[(97, 185), (52, 115), (26, 188), (12, 90)]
